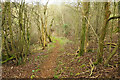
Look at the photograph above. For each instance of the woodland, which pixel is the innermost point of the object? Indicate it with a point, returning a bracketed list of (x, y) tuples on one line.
[(67, 40)]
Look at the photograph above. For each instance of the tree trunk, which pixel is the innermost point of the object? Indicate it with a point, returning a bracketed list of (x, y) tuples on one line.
[(83, 32), (103, 33), (119, 39), (111, 31)]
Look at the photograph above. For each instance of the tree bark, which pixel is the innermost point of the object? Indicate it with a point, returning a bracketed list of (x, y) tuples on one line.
[(119, 39), (103, 33), (84, 26)]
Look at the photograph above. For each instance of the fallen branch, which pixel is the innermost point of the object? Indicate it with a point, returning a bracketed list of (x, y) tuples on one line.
[(92, 67), (114, 17), (8, 59), (111, 55), (85, 72)]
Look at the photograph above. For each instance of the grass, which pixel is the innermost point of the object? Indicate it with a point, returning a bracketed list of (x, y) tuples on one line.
[(51, 45), (62, 40), (44, 56), (56, 76)]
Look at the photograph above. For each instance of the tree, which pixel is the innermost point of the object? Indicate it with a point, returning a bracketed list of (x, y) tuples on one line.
[(103, 33), (15, 32), (119, 39), (84, 26)]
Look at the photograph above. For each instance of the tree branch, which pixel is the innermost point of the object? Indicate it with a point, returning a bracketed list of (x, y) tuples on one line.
[(114, 17)]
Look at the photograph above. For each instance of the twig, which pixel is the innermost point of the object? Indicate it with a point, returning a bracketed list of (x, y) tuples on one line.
[(8, 59), (85, 72), (111, 55), (92, 28), (92, 67)]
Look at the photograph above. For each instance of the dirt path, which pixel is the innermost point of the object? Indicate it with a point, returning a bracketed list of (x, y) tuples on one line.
[(47, 69), (47, 65)]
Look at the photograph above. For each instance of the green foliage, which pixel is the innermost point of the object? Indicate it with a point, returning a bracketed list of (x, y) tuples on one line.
[(60, 62), (66, 29), (33, 71), (33, 76), (19, 61), (38, 57), (77, 74), (56, 76), (71, 73), (83, 65), (56, 68), (51, 45), (72, 60), (65, 26), (62, 40), (79, 60), (35, 60), (44, 56), (69, 54), (37, 70), (116, 30)]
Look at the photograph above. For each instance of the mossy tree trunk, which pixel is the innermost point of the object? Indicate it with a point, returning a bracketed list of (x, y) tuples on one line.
[(103, 33), (51, 24), (119, 39), (87, 34), (111, 29), (84, 26), (46, 21), (97, 6), (7, 33), (24, 34), (5, 46)]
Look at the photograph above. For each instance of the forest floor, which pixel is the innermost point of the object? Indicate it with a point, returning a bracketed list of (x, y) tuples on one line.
[(58, 60), (40, 65)]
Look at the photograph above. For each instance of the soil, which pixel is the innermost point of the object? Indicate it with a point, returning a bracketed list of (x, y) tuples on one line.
[(62, 62), (72, 66), (45, 64), (50, 63)]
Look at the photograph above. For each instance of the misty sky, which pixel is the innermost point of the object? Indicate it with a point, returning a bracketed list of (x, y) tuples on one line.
[(59, 1), (43, 1), (51, 1)]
